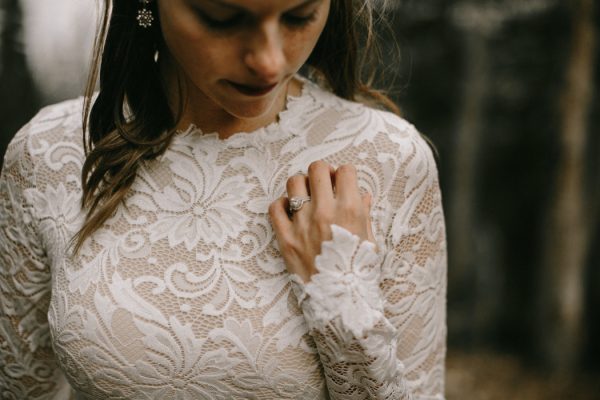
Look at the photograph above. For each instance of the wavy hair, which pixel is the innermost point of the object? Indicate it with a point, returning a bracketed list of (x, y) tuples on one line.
[(130, 121)]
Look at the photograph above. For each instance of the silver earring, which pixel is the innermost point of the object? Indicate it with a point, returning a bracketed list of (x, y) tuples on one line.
[(144, 16)]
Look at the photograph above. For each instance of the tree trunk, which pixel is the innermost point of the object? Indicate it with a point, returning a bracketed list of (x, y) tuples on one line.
[(463, 227), (568, 234)]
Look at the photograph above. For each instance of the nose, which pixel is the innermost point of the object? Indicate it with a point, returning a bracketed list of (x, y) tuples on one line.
[(264, 56)]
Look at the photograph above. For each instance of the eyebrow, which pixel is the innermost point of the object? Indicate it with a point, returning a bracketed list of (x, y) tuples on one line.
[(240, 8)]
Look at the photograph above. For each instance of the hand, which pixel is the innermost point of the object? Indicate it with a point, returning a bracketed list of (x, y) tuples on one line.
[(335, 199)]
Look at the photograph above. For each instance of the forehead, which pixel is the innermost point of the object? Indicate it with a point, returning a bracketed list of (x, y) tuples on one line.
[(262, 6)]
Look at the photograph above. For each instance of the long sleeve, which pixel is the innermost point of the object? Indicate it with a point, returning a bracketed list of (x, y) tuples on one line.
[(28, 369), (378, 319)]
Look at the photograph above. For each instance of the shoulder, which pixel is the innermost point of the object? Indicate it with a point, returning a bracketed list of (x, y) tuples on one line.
[(62, 120), (49, 147), (385, 133), (53, 126)]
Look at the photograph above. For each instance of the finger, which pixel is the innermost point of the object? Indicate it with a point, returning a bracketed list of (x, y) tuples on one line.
[(297, 185), (367, 200), (279, 217), (347, 183), (321, 185)]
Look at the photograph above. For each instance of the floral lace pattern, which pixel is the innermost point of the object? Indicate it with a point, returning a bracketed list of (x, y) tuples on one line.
[(183, 293)]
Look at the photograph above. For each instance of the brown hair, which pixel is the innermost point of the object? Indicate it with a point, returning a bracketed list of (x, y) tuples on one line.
[(130, 120)]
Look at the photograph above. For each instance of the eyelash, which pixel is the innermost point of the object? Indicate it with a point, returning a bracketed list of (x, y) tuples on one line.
[(238, 20), (294, 20)]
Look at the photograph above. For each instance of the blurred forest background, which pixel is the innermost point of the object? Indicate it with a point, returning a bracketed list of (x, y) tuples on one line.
[(508, 92)]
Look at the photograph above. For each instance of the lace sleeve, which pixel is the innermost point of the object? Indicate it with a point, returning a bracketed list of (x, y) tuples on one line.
[(379, 319), (28, 369)]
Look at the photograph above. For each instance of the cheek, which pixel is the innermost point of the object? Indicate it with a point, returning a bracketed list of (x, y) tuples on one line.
[(177, 27), (300, 45), (200, 59), (298, 49), (195, 52)]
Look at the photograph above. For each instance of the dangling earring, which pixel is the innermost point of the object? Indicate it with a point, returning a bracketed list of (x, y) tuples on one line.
[(144, 16)]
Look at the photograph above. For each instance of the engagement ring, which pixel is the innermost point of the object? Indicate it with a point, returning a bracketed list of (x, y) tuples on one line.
[(296, 203)]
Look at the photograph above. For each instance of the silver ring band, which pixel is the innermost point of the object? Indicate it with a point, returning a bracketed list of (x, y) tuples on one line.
[(296, 203)]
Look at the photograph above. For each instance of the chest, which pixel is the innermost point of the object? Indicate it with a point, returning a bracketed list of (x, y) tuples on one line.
[(183, 292)]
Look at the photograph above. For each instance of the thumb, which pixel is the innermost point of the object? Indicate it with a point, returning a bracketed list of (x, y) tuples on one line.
[(367, 202)]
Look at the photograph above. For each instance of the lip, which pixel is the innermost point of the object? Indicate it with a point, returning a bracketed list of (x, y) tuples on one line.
[(251, 90)]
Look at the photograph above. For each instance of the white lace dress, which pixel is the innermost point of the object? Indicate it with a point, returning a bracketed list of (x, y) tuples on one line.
[(183, 293)]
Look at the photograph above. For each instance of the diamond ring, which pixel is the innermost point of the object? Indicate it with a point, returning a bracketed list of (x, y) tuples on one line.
[(296, 203)]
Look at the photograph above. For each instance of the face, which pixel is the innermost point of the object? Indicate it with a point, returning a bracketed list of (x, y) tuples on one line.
[(239, 56)]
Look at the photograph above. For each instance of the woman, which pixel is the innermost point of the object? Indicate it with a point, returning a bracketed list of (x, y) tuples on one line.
[(232, 229)]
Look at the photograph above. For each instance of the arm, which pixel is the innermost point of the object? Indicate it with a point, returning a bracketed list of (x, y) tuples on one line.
[(379, 319), (28, 369)]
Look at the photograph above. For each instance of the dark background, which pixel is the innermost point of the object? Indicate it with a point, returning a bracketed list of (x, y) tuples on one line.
[(507, 91)]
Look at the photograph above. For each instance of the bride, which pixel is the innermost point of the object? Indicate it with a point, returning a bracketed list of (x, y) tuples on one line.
[(219, 225)]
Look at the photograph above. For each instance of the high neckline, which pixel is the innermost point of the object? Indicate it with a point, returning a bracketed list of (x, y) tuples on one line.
[(284, 125)]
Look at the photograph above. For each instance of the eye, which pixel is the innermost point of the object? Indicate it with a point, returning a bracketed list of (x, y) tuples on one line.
[(238, 19), (299, 20), (221, 24)]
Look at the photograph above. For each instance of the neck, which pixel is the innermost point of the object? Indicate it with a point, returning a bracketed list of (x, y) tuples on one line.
[(209, 117)]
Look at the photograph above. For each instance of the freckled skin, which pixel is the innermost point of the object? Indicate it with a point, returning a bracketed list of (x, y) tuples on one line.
[(261, 51)]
